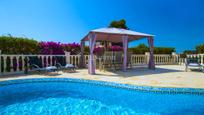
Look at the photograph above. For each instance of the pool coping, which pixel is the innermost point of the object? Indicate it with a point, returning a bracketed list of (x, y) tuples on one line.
[(172, 90)]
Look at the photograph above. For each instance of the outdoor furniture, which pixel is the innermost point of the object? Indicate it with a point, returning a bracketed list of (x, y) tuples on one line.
[(66, 67), (62, 65), (107, 61), (193, 64), (129, 59), (117, 60), (114, 60), (36, 65)]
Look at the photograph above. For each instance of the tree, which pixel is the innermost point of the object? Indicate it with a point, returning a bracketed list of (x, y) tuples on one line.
[(200, 48), (119, 24), (190, 52)]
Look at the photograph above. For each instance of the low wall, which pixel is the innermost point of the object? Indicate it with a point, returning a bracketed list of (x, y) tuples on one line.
[(10, 64)]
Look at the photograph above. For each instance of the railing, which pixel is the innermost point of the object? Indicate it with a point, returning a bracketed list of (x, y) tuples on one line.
[(199, 56), (139, 59), (181, 61), (74, 59), (164, 59), (16, 63)]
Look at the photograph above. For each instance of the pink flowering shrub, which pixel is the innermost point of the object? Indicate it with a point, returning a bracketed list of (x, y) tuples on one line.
[(49, 48), (115, 48), (99, 51), (57, 48)]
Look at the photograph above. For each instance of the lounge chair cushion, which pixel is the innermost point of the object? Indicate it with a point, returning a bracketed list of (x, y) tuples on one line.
[(51, 68), (193, 64), (69, 66)]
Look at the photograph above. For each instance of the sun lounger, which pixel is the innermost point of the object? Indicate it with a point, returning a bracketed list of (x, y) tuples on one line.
[(193, 64), (36, 65), (66, 67), (61, 64)]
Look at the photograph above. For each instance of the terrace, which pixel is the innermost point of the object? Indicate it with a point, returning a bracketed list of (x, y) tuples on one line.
[(169, 72)]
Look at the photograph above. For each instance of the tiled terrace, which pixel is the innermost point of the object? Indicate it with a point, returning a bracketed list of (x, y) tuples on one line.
[(163, 76)]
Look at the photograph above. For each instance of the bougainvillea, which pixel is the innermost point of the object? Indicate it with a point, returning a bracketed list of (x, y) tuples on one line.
[(99, 51), (49, 48), (57, 48), (115, 48)]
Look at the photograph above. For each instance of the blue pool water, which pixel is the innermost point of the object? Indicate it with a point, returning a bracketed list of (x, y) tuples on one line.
[(57, 97)]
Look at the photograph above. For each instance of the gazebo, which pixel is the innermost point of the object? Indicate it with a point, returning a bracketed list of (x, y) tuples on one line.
[(115, 35)]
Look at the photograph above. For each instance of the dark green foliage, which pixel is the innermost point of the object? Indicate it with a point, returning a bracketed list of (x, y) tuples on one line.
[(60, 60), (8, 64), (185, 52), (86, 50), (200, 48), (2, 64), (163, 50), (190, 52), (18, 45), (35, 61), (26, 65), (119, 24), (142, 48)]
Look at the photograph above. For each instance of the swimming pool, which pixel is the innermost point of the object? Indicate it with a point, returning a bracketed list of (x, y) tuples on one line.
[(74, 96)]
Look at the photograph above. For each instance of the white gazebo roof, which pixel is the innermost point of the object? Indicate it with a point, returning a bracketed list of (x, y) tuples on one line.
[(115, 34)]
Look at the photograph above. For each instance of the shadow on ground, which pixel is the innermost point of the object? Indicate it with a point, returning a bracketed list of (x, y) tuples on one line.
[(138, 71)]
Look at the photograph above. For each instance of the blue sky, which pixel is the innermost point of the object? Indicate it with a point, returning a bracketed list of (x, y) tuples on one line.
[(176, 23)]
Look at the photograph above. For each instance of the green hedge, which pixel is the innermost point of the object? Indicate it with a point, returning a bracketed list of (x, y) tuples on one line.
[(18, 45), (164, 50), (142, 48)]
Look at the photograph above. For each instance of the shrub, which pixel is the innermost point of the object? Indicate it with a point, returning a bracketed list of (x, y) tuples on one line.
[(86, 50), (163, 50), (57, 48), (73, 48), (142, 48), (99, 51), (18, 45), (115, 48), (49, 48)]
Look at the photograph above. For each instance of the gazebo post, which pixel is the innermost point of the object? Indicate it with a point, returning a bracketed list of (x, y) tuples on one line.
[(82, 63), (151, 64), (92, 41), (125, 47)]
